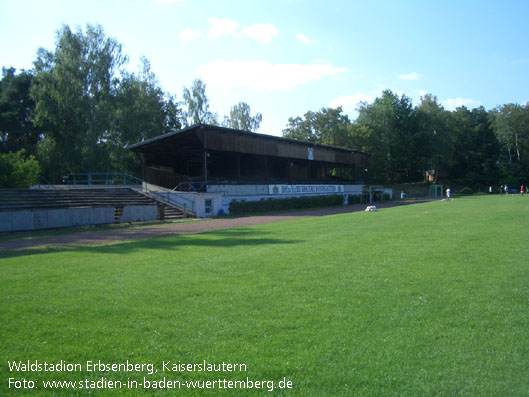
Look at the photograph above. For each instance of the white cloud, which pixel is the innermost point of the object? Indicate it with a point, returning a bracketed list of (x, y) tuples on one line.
[(222, 26), (189, 34), (304, 39), (410, 76), (349, 103), (454, 103), (263, 76), (264, 32)]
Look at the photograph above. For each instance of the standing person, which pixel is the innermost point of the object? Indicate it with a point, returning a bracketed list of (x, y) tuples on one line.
[(501, 190), (506, 189), (402, 195), (448, 192), (521, 190), (490, 189)]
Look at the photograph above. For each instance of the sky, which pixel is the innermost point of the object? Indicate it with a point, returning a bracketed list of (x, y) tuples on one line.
[(286, 57)]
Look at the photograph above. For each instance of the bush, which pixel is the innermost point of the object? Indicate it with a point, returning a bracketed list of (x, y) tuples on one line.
[(240, 207), (17, 170), (466, 190), (354, 199)]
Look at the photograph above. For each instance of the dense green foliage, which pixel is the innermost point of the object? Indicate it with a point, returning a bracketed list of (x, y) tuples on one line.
[(466, 190), (407, 144), (18, 170), (88, 107), (79, 107), (426, 299), (242, 207), (16, 112)]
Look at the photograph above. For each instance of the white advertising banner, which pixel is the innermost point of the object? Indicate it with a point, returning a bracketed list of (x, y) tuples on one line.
[(304, 189)]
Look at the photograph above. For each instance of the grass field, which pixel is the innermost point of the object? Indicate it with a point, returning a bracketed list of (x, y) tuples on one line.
[(426, 299)]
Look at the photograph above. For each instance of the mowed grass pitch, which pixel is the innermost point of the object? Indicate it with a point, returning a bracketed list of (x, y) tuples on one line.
[(426, 299)]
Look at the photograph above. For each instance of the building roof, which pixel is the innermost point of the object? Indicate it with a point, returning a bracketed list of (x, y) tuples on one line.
[(226, 130), (200, 137)]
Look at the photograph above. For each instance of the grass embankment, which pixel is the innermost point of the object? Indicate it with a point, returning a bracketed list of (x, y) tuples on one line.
[(429, 299)]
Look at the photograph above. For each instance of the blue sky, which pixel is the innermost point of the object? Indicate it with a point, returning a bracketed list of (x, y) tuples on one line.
[(285, 57)]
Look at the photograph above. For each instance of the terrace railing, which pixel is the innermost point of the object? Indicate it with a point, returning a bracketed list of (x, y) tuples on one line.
[(43, 183), (101, 178), (191, 187), (172, 198)]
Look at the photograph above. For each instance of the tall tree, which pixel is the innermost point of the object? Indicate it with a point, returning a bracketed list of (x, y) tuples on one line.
[(197, 105), (511, 126), (391, 137), (73, 89), (327, 127), (16, 112), (240, 118), (476, 147), (434, 149), (142, 111)]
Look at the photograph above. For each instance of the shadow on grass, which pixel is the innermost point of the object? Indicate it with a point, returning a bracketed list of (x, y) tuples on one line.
[(37, 234), (215, 239)]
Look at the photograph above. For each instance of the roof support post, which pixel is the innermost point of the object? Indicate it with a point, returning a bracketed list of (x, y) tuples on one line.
[(267, 175), (204, 140), (238, 167), (206, 168)]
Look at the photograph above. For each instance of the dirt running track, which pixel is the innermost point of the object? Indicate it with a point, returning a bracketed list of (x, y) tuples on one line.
[(175, 229)]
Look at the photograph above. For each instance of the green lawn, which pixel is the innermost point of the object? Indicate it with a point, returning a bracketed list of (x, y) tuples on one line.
[(426, 299)]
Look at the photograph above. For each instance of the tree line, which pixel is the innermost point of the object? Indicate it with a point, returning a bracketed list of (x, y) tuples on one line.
[(78, 108), (407, 143)]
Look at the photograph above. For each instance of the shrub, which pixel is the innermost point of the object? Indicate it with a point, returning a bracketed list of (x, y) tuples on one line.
[(17, 170), (466, 190), (240, 207), (354, 199)]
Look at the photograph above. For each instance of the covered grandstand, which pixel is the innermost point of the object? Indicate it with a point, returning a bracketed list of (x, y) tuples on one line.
[(215, 165), (203, 155)]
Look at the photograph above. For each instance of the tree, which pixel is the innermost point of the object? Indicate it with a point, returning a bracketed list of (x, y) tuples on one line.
[(16, 112), (73, 89), (510, 123), (390, 137), (476, 147), (436, 143), (142, 111), (240, 118), (327, 127), (197, 105), (18, 170)]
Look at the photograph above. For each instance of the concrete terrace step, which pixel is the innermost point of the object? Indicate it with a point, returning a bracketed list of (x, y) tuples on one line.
[(14, 199), (173, 213)]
